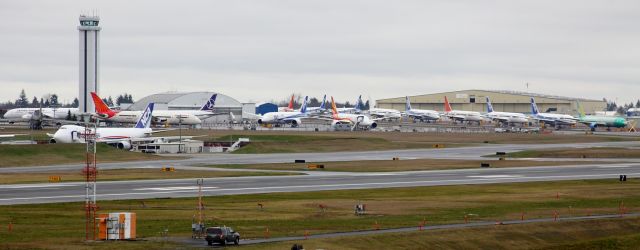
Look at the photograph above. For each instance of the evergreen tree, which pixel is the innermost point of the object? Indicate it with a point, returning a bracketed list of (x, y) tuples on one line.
[(75, 103), (119, 99), (313, 102), (35, 103), (53, 100), (68, 118), (110, 101), (22, 101)]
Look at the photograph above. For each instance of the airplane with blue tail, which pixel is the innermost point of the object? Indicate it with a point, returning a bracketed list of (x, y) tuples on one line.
[(504, 117), (292, 117), (557, 120)]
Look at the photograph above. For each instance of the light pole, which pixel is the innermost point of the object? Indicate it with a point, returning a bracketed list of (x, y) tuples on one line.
[(180, 133)]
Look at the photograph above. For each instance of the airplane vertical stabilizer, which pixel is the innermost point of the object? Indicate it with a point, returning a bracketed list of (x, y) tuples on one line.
[(145, 119), (489, 106), (210, 104), (447, 106)]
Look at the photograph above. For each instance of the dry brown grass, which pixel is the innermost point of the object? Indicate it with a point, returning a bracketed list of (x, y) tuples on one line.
[(604, 152), (426, 138)]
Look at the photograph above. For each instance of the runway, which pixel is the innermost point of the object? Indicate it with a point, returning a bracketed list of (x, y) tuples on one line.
[(313, 181), (461, 153)]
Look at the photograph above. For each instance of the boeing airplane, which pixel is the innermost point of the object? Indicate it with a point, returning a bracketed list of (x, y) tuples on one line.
[(504, 117), (557, 120)]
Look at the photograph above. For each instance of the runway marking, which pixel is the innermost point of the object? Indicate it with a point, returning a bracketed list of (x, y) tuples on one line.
[(462, 181), (37, 186), (174, 188), (623, 166), (494, 176)]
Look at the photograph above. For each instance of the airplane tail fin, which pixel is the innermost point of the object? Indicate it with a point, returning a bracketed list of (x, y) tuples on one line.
[(323, 104), (145, 119), (407, 106), (534, 107), (489, 106), (359, 104), (101, 107), (447, 106), (334, 110), (303, 108), (580, 110), (210, 104), (291, 102)]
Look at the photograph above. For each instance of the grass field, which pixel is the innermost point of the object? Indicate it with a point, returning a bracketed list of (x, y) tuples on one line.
[(599, 234), (49, 154), (604, 152), (129, 174), (291, 214), (400, 165), (295, 142)]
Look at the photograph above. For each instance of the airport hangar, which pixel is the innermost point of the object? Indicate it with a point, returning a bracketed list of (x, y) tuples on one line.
[(502, 100), (195, 100)]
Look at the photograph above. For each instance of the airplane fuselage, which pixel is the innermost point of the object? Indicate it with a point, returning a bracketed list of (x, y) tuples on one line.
[(25, 114), (76, 134)]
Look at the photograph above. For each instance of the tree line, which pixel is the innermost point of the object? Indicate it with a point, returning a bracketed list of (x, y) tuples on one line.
[(621, 109), (52, 100), (315, 102)]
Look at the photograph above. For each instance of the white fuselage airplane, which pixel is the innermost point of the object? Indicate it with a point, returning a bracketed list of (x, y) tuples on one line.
[(385, 113), (292, 117), (461, 115), (175, 117), (356, 120), (420, 114), (504, 117), (26, 114), (550, 118), (121, 137)]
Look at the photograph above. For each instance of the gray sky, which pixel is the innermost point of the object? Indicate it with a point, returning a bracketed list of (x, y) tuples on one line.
[(263, 50)]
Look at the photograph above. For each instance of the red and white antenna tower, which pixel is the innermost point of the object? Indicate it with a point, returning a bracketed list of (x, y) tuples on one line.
[(90, 172)]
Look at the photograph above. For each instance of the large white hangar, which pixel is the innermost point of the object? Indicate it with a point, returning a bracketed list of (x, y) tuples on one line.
[(502, 100), (192, 100)]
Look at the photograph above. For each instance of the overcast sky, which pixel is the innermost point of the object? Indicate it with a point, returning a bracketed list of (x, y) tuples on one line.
[(264, 50)]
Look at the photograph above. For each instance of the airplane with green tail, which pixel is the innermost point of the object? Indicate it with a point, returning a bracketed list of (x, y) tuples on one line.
[(594, 121)]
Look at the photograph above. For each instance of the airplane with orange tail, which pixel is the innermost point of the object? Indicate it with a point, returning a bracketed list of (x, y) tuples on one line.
[(288, 108), (355, 120), (174, 117), (461, 115)]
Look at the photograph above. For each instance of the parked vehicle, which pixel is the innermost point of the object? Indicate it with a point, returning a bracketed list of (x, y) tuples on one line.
[(222, 235)]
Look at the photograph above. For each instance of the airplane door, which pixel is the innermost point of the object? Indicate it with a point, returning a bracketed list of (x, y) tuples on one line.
[(360, 119), (74, 138)]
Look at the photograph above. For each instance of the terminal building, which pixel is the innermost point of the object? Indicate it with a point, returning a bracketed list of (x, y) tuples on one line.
[(195, 100), (505, 101)]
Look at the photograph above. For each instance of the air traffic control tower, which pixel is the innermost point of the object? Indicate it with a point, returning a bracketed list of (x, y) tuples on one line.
[(89, 64)]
